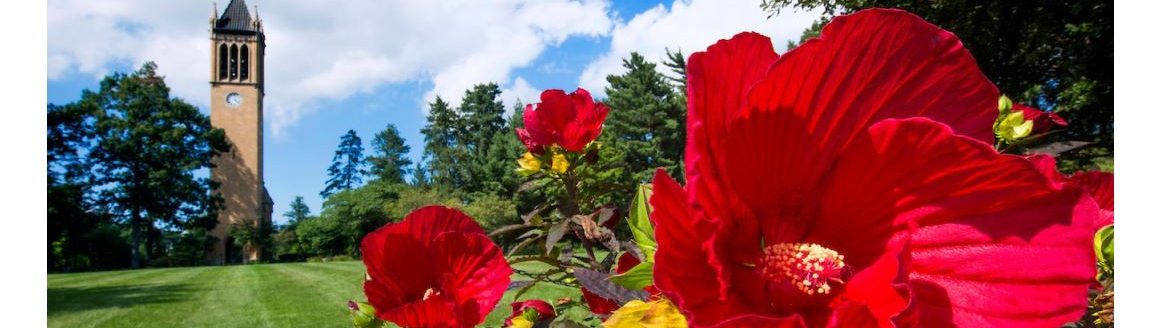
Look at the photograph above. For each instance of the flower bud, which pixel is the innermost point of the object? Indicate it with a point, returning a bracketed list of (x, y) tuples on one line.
[(363, 315)]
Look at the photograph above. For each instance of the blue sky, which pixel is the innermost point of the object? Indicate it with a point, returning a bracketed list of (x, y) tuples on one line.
[(362, 65)]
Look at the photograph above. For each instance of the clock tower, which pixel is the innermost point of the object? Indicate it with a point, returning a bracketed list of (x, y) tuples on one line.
[(237, 50)]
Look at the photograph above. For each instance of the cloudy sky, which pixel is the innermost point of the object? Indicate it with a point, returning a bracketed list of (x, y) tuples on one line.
[(339, 65)]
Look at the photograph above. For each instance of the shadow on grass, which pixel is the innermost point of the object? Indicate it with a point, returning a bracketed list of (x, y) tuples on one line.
[(73, 299)]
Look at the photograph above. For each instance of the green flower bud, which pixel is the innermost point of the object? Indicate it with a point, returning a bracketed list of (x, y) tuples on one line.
[(363, 315)]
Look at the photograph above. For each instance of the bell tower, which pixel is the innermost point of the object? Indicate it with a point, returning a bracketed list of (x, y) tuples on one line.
[(237, 51)]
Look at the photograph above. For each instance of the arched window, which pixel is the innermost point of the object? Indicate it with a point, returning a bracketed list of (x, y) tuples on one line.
[(222, 61), (234, 62), (243, 63)]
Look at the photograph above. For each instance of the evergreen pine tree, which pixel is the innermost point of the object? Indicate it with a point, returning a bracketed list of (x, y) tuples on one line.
[(440, 136), (420, 180), (647, 121), (675, 61), (348, 165), (390, 160), (483, 138)]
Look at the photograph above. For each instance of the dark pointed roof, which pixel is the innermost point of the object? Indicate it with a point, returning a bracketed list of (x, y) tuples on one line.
[(236, 19)]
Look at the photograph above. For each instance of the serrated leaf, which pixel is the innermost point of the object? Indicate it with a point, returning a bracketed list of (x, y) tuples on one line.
[(638, 277), (642, 231), (598, 284), (555, 234)]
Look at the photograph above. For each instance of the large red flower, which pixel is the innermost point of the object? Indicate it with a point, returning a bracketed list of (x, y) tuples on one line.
[(570, 121), (435, 268), (851, 183)]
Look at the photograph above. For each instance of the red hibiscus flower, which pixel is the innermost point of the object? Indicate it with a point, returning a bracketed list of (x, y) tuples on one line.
[(1100, 186), (1043, 121), (435, 268), (544, 310), (600, 305), (570, 121), (851, 182)]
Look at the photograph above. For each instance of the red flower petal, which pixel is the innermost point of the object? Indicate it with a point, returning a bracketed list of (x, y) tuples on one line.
[(473, 271), (1043, 121), (815, 99), (1048, 167), (532, 146), (881, 288), (555, 109), (718, 81), (540, 132), (754, 321), (1100, 185), (598, 304), (878, 64), (998, 244), (427, 223), (436, 312), (854, 314), (686, 269), (389, 286), (545, 310)]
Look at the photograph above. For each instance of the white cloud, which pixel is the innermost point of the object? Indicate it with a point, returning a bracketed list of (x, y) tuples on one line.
[(325, 50), (521, 91), (690, 26)]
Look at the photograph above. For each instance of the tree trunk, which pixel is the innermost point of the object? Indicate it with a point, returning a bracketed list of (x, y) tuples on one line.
[(135, 238)]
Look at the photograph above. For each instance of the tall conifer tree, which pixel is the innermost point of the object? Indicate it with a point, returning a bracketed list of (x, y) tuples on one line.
[(348, 165), (390, 161), (647, 121)]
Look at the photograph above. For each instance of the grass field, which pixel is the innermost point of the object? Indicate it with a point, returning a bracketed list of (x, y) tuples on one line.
[(264, 295)]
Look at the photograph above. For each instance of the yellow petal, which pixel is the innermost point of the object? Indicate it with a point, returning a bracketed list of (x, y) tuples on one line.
[(521, 322), (559, 163), (660, 313), (529, 164), (1014, 127)]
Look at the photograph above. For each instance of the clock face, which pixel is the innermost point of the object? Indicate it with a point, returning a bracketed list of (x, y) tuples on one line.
[(234, 99)]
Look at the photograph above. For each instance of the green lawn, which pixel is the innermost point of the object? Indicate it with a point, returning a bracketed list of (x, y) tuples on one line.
[(266, 295)]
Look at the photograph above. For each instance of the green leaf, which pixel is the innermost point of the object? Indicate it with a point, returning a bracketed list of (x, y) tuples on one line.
[(1104, 248), (637, 278), (642, 231)]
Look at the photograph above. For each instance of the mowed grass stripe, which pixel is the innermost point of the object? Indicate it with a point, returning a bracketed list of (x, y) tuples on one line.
[(310, 295), (92, 279), (265, 295), (134, 301)]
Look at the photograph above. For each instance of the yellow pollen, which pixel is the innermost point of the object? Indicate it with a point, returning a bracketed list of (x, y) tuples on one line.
[(809, 267)]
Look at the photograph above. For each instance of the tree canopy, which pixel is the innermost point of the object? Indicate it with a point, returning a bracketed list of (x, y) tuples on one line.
[(131, 152)]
